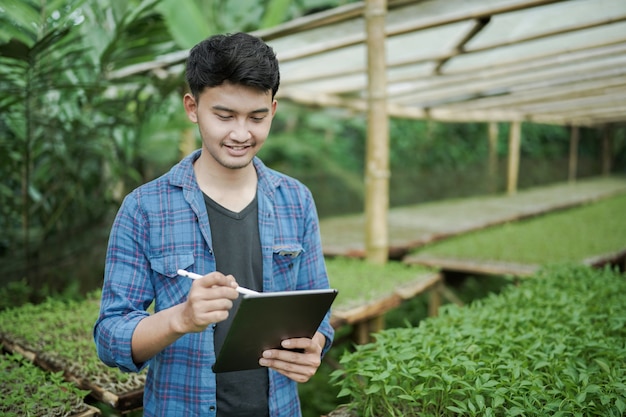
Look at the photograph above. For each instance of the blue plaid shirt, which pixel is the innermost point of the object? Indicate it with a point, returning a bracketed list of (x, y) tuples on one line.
[(163, 226)]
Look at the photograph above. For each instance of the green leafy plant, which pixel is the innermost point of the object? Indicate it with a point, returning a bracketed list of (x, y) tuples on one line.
[(29, 391), (67, 133), (552, 346), (60, 333)]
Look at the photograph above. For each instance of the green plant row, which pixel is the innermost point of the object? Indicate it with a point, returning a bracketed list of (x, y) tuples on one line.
[(568, 236), (359, 282), (554, 346), (60, 333), (27, 390)]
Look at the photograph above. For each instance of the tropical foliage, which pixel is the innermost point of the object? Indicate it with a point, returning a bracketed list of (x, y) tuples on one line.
[(78, 130), (68, 134)]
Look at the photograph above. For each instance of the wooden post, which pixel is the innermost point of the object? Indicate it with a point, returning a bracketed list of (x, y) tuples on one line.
[(434, 299), (363, 330), (607, 150), (514, 155), (492, 169), (377, 154), (187, 142), (573, 153)]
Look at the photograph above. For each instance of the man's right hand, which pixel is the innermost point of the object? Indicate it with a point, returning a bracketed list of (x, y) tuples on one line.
[(209, 301)]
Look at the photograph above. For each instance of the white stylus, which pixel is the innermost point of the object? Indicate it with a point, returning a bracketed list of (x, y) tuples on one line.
[(191, 275)]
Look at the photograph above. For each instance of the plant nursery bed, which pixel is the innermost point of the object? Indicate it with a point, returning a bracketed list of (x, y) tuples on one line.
[(553, 345), (494, 267), (123, 401), (472, 266), (30, 391), (354, 312), (57, 337), (368, 291), (593, 235)]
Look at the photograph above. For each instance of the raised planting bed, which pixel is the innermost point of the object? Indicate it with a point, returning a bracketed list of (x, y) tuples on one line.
[(413, 226), (27, 390), (368, 291), (554, 345), (58, 336), (594, 234)]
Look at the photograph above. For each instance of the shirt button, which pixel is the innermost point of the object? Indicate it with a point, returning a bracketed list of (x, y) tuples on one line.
[(212, 408), (214, 325)]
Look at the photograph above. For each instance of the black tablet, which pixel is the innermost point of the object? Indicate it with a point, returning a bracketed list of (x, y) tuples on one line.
[(264, 320)]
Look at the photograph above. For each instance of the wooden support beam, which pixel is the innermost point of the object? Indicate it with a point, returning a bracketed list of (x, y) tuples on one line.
[(377, 155), (492, 167), (573, 153), (364, 330), (187, 142), (434, 300), (607, 150), (515, 135)]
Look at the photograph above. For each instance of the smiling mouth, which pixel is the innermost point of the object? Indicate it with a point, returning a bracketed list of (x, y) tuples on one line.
[(239, 146)]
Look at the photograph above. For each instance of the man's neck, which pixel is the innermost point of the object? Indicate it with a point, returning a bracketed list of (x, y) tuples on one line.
[(233, 189)]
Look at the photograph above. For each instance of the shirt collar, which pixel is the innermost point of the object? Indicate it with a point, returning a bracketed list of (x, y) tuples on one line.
[(182, 174)]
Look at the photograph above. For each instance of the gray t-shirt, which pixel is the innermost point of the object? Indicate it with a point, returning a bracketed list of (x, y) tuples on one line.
[(237, 249)]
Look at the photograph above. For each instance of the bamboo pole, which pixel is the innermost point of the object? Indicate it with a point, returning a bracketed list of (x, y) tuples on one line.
[(377, 153), (492, 169), (607, 150), (187, 142), (514, 156), (573, 153)]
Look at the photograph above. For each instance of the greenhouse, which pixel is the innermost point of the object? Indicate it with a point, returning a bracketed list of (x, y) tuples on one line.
[(468, 165)]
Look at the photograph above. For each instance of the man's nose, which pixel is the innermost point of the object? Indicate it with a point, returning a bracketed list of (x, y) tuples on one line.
[(240, 132)]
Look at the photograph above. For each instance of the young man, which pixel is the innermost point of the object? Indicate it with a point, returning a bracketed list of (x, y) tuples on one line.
[(223, 214)]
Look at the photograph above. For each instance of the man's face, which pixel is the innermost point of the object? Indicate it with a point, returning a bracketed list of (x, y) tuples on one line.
[(233, 120)]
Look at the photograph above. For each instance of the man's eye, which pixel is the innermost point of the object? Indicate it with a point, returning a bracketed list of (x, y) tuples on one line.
[(224, 116), (258, 119)]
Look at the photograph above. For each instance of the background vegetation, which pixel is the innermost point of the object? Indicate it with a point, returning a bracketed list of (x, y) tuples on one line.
[(76, 134)]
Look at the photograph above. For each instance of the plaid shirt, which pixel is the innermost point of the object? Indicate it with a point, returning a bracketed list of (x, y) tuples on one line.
[(163, 226)]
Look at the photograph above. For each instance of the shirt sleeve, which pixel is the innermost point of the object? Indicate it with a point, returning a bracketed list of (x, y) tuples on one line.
[(315, 267), (127, 291)]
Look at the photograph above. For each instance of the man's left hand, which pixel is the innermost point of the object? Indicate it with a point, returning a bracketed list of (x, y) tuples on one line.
[(298, 366)]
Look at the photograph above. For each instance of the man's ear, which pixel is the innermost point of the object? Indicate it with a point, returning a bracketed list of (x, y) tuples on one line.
[(191, 107)]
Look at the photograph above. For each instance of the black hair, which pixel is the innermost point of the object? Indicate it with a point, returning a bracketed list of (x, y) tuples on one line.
[(237, 58)]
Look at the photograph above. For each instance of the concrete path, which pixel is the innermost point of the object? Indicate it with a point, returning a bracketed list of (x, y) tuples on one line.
[(415, 225)]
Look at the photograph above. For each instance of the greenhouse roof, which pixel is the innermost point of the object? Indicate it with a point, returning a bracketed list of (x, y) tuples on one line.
[(546, 61)]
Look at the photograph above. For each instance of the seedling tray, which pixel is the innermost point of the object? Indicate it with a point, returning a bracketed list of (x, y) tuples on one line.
[(29, 390), (57, 337)]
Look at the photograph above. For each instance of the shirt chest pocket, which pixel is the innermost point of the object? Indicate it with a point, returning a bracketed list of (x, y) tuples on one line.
[(286, 265), (168, 265), (170, 288)]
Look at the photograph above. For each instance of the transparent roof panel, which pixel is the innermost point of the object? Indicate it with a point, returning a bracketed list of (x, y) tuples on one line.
[(425, 44), (558, 44), (551, 18), (341, 61), (551, 61), (335, 85)]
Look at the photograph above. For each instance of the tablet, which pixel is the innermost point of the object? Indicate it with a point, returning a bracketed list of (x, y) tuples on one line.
[(264, 320)]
